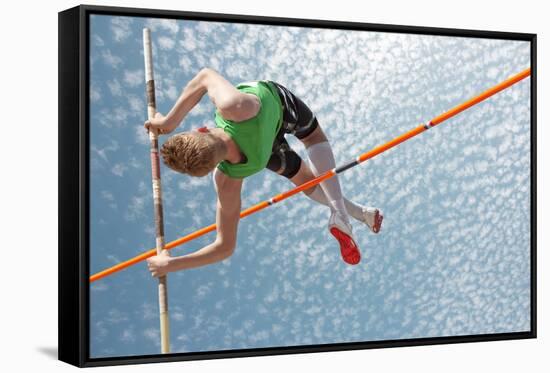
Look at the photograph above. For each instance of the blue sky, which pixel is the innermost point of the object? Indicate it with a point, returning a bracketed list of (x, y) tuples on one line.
[(452, 258)]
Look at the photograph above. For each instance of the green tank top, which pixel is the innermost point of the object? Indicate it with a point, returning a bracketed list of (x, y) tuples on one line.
[(254, 136)]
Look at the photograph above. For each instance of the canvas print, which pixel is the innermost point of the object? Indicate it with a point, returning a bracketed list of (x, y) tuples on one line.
[(307, 186)]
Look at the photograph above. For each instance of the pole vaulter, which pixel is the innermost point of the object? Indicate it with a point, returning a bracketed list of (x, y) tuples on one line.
[(328, 174)]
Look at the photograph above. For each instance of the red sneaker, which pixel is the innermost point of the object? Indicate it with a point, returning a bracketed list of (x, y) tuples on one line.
[(342, 232)]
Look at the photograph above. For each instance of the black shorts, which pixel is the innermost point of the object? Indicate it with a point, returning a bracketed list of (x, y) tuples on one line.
[(299, 120)]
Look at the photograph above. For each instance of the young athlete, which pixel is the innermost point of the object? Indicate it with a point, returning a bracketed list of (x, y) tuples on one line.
[(251, 122)]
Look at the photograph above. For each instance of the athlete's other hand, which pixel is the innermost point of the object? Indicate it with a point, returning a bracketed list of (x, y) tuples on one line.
[(159, 265), (159, 123)]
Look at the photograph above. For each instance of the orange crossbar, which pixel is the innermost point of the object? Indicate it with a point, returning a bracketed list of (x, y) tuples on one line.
[(363, 157), (477, 99)]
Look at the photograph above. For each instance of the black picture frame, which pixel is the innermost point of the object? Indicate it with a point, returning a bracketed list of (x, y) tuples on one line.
[(73, 104)]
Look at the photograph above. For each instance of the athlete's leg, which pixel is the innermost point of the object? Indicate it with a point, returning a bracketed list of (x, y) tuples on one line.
[(322, 159), (316, 193), (299, 120), (371, 216), (286, 162)]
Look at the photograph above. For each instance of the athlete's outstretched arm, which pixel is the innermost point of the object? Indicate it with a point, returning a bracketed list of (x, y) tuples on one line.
[(227, 219), (230, 102)]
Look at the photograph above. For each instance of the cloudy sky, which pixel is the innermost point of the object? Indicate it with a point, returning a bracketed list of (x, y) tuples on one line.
[(452, 258)]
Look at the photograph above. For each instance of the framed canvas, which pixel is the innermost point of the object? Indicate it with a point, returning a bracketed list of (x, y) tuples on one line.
[(234, 186)]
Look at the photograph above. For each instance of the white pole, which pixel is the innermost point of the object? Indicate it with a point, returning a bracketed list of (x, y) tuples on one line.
[(157, 196)]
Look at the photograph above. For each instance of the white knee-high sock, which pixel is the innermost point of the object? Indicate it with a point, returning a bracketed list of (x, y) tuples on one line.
[(322, 159), (355, 210)]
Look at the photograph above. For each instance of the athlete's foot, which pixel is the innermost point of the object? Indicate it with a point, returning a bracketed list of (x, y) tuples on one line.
[(342, 231), (373, 217)]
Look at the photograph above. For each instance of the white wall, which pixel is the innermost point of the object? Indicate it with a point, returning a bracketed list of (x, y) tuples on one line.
[(28, 188)]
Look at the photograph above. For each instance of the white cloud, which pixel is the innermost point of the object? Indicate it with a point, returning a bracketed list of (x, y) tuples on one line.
[(157, 24), (115, 87), (118, 117), (120, 27), (128, 335), (110, 59), (148, 311), (137, 105), (172, 93), (97, 40), (103, 152), (188, 41), (119, 169), (108, 196), (134, 78), (141, 135), (166, 43), (152, 335), (136, 208), (99, 286), (193, 183), (186, 63), (203, 291), (116, 316), (95, 93)]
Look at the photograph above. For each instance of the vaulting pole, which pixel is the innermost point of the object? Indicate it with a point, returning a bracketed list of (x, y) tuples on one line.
[(328, 174), (157, 195)]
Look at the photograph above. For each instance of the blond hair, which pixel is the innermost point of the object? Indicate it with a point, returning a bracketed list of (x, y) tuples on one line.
[(193, 153)]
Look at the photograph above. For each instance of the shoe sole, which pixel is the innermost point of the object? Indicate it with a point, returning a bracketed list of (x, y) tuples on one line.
[(378, 217), (348, 248)]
